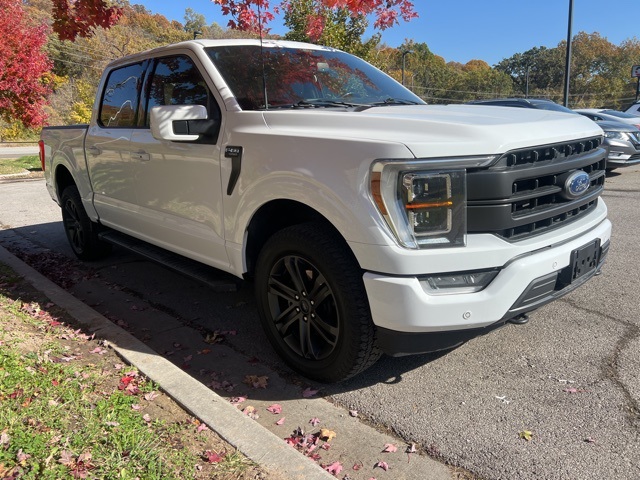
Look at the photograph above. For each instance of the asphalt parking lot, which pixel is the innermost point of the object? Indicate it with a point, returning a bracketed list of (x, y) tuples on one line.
[(570, 377)]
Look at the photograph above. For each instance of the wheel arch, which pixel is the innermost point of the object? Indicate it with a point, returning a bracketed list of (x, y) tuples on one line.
[(63, 179), (274, 216)]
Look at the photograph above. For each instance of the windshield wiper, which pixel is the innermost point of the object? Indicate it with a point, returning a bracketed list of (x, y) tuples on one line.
[(395, 101)]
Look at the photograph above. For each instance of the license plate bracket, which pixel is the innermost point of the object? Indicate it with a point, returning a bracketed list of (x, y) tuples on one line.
[(584, 260)]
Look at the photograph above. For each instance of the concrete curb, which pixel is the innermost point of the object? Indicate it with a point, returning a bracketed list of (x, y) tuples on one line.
[(243, 433)]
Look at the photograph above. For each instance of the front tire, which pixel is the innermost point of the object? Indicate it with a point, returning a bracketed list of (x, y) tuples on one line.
[(313, 304), (81, 232)]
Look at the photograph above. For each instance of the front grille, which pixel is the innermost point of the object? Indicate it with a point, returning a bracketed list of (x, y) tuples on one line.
[(525, 192)]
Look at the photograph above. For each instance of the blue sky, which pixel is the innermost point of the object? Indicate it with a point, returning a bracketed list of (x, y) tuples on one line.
[(489, 30)]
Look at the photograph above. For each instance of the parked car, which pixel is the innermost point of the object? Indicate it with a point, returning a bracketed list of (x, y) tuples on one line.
[(634, 109), (622, 139), (601, 114), (624, 144)]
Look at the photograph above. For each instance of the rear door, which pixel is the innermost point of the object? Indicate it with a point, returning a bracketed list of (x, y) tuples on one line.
[(107, 147), (178, 183)]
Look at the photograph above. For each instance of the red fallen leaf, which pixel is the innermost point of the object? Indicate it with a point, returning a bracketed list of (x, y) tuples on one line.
[(314, 456), (382, 465), (293, 441), (309, 392), (325, 446), (55, 323), (202, 427), (55, 383), (281, 421), (126, 380), (275, 409), (213, 457), (389, 448), (238, 400), (334, 469), (357, 466)]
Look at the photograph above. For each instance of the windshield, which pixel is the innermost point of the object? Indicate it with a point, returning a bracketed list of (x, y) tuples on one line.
[(615, 113), (297, 78)]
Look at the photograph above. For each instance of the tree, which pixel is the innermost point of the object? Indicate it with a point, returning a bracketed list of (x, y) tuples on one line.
[(252, 15), (336, 28), (76, 18), (23, 66), (193, 22)]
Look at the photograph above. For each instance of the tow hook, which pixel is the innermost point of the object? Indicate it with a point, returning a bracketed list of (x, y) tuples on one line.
[(520, 319)]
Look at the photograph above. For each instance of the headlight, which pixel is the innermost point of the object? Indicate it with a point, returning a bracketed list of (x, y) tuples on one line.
[(424, 202), (617, 135)]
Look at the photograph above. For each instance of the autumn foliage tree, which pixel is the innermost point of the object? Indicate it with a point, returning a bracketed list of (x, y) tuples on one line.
[(73, 18), (252, 15), (23, 66)]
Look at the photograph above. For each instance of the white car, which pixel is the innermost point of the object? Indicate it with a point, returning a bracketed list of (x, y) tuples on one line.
[(634, 109), (603, 114)]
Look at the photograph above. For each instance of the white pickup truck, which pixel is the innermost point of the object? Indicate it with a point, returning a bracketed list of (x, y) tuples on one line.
[(369, 221)]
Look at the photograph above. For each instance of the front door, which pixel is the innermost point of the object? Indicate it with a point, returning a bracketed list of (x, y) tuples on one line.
[(178, 183)]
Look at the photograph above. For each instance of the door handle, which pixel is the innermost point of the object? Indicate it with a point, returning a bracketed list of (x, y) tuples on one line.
[(142, 156), (93, 150)]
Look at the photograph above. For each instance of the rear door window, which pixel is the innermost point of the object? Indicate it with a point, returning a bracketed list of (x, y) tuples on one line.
[(119, 105)]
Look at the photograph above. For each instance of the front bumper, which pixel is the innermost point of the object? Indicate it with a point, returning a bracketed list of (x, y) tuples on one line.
[(622, 154), (410, 319)]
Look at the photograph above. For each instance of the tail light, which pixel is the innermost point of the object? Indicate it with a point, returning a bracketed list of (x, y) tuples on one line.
[(41, 153)]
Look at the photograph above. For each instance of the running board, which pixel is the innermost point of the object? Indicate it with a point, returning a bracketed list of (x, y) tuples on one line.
[(217, 280)]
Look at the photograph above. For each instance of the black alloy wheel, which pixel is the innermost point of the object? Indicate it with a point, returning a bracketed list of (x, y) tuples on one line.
[(313, 305)]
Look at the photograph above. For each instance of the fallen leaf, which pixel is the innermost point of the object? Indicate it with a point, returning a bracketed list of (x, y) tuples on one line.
[(526, 435), (281, 421), (572, 390), (411, 448), (353, 413), (213, 457), (390, 448), (327, 435), (383, 465), (151, 396), (251, 412), (334, 469), (256, 381), (147, 418), (357, 466), (314, 421), (202, 427), (275, 409), (309, 392)]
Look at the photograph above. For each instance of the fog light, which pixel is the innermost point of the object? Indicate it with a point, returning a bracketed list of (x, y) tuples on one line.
[(461, 282)]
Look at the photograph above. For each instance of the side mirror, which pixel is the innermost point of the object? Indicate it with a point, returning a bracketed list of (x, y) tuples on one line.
[(174, 122)]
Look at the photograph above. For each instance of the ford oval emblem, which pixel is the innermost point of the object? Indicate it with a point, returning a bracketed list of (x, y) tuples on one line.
[(576, 184)]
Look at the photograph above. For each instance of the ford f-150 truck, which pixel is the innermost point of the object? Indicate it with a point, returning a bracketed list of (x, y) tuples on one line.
[(368, 221)]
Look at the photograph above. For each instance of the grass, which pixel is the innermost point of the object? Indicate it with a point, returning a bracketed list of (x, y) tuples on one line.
[(29, 163), (71, 409)]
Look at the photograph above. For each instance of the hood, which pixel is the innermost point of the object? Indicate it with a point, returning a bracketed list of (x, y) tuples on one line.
[(609, 126), (437, 130)]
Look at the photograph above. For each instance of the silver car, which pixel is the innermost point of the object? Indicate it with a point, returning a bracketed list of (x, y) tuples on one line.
[(603, 114), (623, 142)]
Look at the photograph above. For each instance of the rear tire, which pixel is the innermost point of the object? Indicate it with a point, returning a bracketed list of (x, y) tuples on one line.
[(81, 232), (313, 304)]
